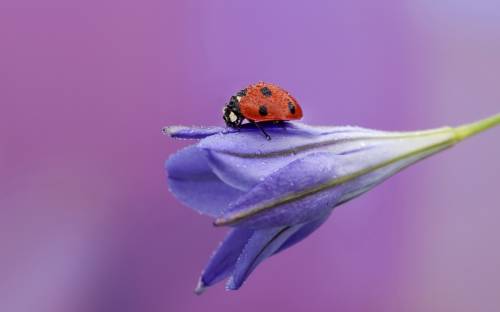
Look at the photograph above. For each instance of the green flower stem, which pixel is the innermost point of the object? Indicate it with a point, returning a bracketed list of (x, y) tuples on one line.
[(468, 130)]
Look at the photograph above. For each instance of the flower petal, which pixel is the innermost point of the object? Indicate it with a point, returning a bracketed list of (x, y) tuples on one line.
[(223, 260), (182, 132), (192, 181), (287, 138), (258, 208), (305, 230), (243, 159), (262, 244), (319, 181)]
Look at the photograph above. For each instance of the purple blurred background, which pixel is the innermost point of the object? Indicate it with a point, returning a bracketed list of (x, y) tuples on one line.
[(87, 223)]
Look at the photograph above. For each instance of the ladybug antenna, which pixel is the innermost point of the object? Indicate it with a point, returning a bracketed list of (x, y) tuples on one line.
[(268, 137)]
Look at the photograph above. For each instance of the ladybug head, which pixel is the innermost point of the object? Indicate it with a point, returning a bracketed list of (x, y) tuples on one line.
[(231, 113)]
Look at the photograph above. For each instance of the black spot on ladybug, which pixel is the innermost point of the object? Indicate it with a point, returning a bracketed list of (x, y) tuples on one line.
[(242, 92), (265, 91), (263, 110), (291, 107)]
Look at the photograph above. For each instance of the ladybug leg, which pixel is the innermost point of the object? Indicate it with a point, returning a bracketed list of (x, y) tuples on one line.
[(268, 137), (238, 125)]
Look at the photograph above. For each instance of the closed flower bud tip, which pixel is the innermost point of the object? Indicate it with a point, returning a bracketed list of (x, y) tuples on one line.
[(200, 288)]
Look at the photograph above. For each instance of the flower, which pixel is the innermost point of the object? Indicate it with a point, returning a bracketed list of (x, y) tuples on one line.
[(275, 193)]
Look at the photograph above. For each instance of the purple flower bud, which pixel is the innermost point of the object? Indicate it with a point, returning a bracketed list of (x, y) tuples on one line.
[(275, 193)]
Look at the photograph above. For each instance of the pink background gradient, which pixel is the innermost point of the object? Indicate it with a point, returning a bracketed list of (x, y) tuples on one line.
[(87, 223)]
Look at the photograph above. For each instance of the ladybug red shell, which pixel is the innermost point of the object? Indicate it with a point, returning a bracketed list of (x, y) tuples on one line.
[(261, 102)]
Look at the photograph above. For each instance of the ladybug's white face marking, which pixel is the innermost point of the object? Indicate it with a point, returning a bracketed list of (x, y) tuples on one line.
[(238, 98), (232, 117)]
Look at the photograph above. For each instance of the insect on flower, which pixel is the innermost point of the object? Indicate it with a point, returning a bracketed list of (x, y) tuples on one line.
[(275, 195), (261, 102)]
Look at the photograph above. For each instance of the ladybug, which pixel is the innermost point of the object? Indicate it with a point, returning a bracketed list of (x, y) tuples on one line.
[(261, 102)]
